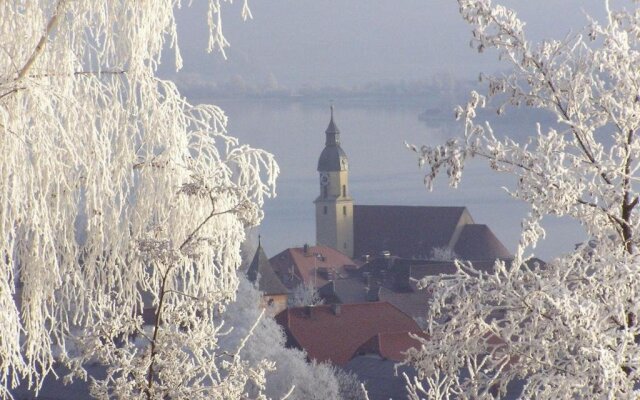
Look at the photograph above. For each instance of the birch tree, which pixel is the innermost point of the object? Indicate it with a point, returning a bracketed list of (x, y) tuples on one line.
[(568, 329), (117, 196)]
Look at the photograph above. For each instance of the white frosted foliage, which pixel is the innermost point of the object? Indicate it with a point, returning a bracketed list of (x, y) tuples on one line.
[(292, 373), (570, 328), (117, 194)]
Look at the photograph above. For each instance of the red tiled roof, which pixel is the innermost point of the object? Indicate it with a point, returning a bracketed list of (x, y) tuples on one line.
[(391, 345), (308, 267), (332, 336)]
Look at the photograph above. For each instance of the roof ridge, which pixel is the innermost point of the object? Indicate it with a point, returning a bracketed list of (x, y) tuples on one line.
[(406, 206)]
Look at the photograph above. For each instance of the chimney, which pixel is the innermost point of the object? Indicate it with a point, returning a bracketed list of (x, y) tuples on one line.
[(305, 248), (336, 309)]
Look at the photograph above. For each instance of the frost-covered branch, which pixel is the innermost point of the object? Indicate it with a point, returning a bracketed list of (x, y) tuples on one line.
[(567, 329), (118, 197)]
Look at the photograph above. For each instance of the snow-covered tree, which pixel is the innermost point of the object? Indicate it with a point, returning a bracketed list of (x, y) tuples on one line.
[(292, 372), (117, 195), (350, 387), (305, 294), (569, 329)]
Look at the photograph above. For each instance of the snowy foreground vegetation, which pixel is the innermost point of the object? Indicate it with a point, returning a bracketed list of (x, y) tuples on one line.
[(293, 373), (119, 200), (569, 329)]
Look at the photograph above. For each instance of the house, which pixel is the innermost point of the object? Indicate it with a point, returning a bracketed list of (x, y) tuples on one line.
[(311, 265), (260, 272), (337, 333), (376, 365), (404, 231), (394, 280)]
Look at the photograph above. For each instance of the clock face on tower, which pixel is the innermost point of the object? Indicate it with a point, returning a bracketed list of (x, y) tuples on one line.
[(324, 178)]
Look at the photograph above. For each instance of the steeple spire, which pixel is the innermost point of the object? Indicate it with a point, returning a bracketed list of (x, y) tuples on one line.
[(332, 157)]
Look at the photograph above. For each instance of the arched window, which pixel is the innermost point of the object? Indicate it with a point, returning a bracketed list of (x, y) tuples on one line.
[(344, 210), (325, 210), (325, 192), (344, 190)]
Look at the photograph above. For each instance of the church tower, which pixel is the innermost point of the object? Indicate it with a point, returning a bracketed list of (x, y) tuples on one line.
[(334, 206)]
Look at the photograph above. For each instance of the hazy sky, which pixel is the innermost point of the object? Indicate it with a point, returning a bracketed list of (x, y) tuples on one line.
[(347, 42)]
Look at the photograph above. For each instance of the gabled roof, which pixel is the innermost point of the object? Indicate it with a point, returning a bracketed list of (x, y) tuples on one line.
[(477, 242), (310, 264), (414, 303), (405, 231), (348, 290), (261, 270), (390, 345), (335, 333)]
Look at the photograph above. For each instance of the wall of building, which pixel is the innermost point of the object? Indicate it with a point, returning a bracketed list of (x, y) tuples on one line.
[(334, 214)]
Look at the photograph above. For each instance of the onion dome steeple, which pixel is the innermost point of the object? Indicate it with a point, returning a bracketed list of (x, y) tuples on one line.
[(332, 158)]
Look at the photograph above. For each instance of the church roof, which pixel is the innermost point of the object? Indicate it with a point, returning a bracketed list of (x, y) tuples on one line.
[(261, 270), (477, 242), (405, 231)]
